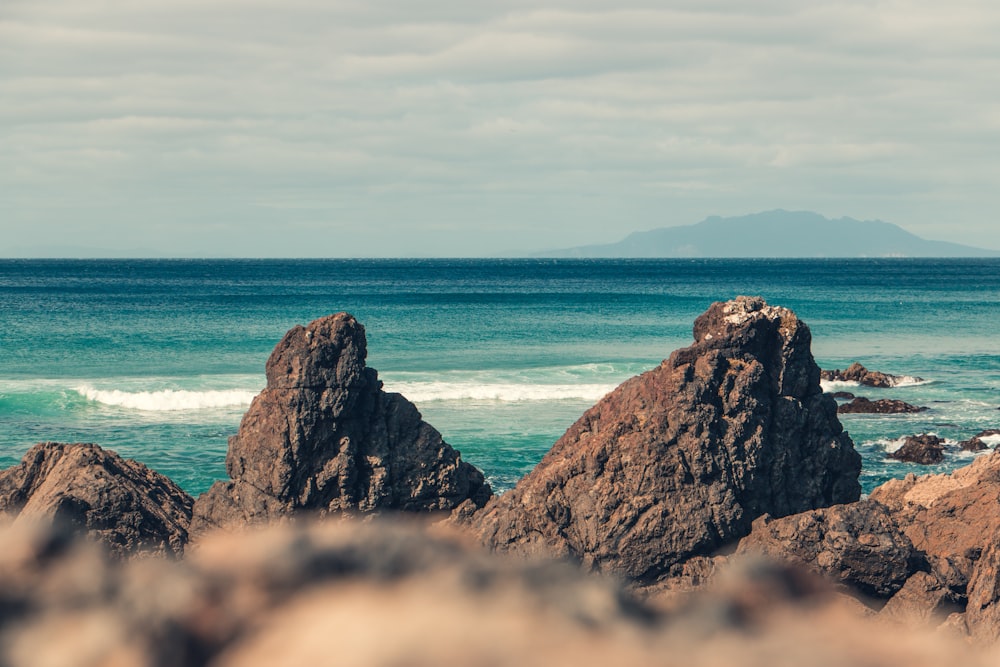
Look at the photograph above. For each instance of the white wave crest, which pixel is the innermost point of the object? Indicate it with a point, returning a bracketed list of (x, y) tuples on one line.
[(990, 440), (830, 386), (908, 381), (168, 400), (419, 392)]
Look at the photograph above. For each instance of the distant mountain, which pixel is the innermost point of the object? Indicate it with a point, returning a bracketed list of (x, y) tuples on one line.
[(776, 234)]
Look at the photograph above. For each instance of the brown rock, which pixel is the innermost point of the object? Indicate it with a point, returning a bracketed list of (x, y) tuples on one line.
[(324, 437), (982, 613), (976, 443), (857, 545), (924, 449), (678, 461), (120, 502), (882, 406), (949, 517), (858, 373), (922, 600)]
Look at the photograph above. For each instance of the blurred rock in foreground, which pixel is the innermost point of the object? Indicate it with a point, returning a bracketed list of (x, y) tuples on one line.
[(383, 594)]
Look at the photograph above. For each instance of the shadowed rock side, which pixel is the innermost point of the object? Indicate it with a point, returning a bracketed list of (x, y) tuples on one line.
[(678, 461), (324, 437), (120, 502)]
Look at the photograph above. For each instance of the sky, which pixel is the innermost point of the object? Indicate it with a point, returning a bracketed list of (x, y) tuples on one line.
[(334, 128)]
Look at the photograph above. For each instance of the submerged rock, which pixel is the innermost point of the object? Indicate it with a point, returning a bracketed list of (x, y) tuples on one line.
[(678, 461), (924, 449), (858, 373), (883, 406), (324, 437), (119, 502)]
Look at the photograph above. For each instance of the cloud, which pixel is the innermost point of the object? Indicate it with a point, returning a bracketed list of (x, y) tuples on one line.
[(444, 128)]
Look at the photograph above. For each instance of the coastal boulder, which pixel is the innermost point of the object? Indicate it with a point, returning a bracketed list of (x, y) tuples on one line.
[(924, 449), (857, 545), (324, 437), (678, 461), (882, 406), (858, 373), (950, 517), (119, 502)]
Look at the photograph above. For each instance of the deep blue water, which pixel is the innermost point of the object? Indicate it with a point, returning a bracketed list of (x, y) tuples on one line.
[(158, 359)]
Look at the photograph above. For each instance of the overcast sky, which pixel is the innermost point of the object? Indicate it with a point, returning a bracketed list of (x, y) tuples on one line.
[(442, 128)]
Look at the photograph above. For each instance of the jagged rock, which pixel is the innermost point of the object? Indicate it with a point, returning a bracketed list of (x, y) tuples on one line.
[(924, 449), (982, 613), (922, 600), (858, 373), (324, 437), (120, 502), (882, 406), (678, 461), (857, 545), (950, 517)]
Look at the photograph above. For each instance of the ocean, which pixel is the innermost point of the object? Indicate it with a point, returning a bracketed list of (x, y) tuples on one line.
[(158, 359)]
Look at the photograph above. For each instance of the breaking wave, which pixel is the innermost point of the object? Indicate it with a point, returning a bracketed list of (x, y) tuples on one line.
[(168, 400)]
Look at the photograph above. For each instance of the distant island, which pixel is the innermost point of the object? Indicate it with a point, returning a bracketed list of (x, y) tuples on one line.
[(776, 233)]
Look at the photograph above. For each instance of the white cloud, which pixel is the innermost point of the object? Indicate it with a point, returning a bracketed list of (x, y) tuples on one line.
[(449, 128)]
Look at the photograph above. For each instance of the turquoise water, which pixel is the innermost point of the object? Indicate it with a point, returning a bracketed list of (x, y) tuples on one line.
[(159, 359)]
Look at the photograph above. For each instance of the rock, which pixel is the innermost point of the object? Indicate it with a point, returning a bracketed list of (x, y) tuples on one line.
[(324, 437), (977, 443), (856, 545), (842, 395), (858, 373), (119, 502), (924, 449), (678, 461), (376, 593), (883, 406), (982, 612), (949, 517), (973, 444), (922, 600)]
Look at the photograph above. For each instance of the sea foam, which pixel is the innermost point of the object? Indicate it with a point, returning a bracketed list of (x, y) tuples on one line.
[(168, 400), (419, 392)]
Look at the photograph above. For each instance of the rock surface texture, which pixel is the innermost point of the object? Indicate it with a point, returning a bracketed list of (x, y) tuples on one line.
[(119, 502), (882, 406), (324, 437), (857, 545), (678, 461), (858, 373), (951, 518)]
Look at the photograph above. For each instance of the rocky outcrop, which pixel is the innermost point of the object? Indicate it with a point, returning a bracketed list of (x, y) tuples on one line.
[(324, 437), (924, 449), (858, 373), (977, 443), (922, 601), (119, 502), (856, 545), (949, 517), (679, 461), (882, 406)]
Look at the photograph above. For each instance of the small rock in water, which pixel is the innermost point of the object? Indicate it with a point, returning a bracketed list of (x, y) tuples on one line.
[(858, 373), (883, 406), (924, 449)]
